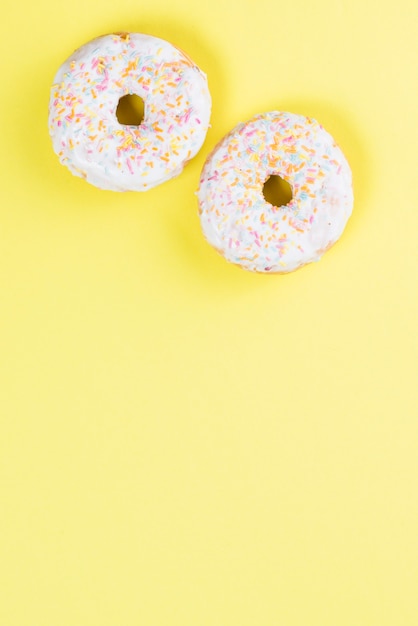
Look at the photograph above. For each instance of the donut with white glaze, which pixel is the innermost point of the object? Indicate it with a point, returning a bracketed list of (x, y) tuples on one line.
[(249, 231), (86, 133)]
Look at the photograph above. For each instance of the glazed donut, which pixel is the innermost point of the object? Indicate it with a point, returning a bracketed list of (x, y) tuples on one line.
[(249, 231), (86, 133)]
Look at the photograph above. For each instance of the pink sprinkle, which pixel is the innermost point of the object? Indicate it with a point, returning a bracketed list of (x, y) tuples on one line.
[(187, 115), (103, 85), (128, 163)]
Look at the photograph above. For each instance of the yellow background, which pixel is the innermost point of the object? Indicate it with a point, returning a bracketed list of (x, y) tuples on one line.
[(184, 443)]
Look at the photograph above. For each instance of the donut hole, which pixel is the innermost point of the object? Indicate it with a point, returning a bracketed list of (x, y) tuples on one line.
[(130, 110), (277, 191)]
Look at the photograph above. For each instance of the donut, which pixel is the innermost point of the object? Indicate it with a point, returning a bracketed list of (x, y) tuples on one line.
[(238, 221), (83, 125)]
